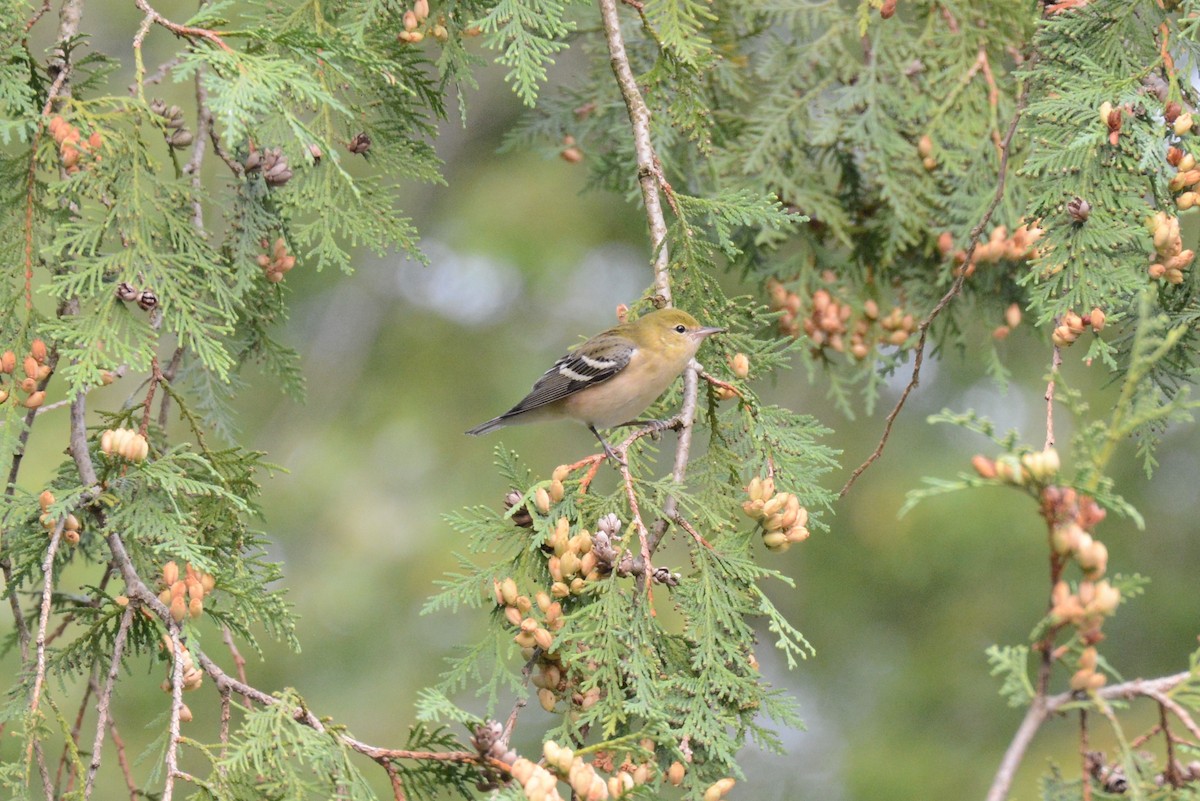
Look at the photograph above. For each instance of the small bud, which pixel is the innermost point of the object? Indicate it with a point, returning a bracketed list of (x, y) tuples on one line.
[(541, 499), (925, 146), (1079, 209), (8, 362), (147, 300), (1097, 319), (1182, 124), (740, 364), (508, 590), (1012, 315), (547, 699), (544, 638), (35, 400), (945, 243), (1171, 112), (776, 541), (675, 773), (360, 144), (410, 21)]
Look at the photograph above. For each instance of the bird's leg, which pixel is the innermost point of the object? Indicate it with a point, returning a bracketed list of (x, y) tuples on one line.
[(608, 450)]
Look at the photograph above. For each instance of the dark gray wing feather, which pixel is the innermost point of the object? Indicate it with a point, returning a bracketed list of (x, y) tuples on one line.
[(572, 373)]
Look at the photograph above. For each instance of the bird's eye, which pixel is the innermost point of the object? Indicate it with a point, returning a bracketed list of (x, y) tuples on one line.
[(681, 328)]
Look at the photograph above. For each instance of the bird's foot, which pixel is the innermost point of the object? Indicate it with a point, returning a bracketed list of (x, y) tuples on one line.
[(656, 427)]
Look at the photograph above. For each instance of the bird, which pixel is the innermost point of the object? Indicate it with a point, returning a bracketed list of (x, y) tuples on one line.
[(613, 377)]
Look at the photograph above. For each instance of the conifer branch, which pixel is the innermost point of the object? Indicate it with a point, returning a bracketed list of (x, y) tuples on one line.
[(951, 294)]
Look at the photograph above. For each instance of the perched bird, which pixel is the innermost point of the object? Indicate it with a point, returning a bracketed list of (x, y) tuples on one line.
[(611, 378)]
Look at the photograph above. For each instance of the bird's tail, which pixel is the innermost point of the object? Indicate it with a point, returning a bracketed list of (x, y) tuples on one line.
[(490, 425)]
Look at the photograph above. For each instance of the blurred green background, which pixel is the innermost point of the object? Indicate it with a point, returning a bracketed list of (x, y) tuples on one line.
[(401, 358)]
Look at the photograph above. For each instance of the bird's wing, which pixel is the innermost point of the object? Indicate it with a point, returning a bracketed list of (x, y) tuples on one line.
[(605, 356)]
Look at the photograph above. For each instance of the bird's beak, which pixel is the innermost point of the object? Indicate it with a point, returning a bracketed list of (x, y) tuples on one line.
[(701, 333)]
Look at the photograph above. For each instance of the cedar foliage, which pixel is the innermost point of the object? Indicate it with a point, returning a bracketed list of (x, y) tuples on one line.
[(840, 158)]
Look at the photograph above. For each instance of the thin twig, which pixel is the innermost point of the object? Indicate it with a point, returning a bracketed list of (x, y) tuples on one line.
[(39, 676), (239, 661), (168, 375), (955, 288), (1085, 779), (74, 742), (1169, 704), (394, 777), (1170, 771), (37, 16), (1055, 365), (204, 126), (123, 760), (683, 450), (105, 697), (172, 759), (184, 31)]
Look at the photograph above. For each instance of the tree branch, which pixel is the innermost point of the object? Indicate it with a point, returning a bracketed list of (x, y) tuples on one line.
[(183, 31), (1044, 706), (955, 288), (105, 697), (648, 170)]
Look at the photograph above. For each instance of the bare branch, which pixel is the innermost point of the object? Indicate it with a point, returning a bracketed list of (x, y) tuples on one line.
[(39, 676), (172, 758), (1043, 707), (955, 288), (105, 697), (183, 31), (649, 171), (1055, 366), (239, 661)]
